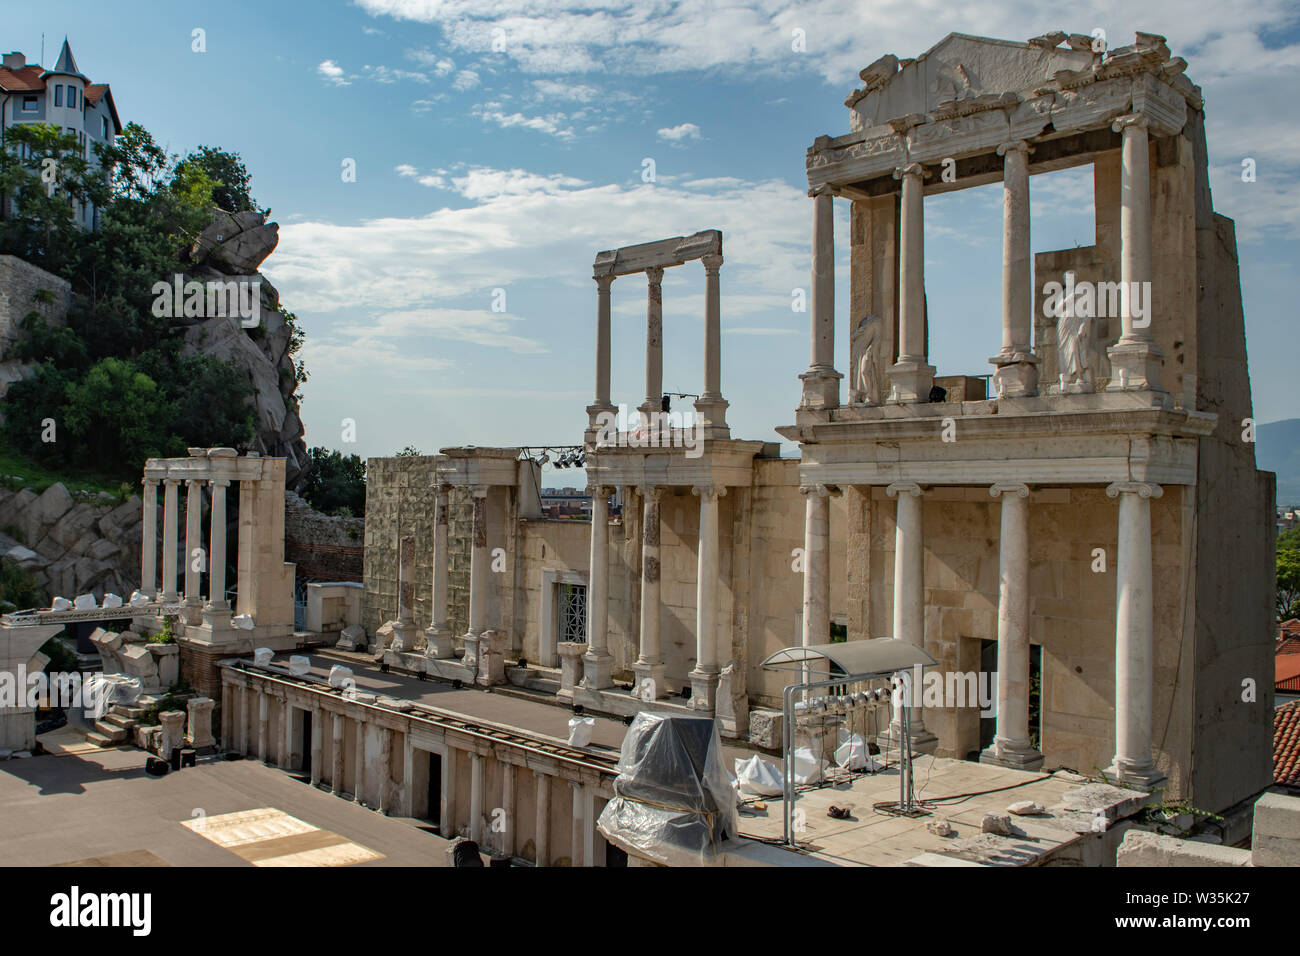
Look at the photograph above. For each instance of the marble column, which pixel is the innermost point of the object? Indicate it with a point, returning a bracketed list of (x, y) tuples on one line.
[(1017, 366), (404, 630), (1135, 361), (576, 835), (478, 574), (711, 407), (1011, 745), (286, 732), (654, 346), (911, 377), (542, 841), (336, 771), (217, 548), (508, 798), (441, 644), (649, 666), (359, 757), (194, 551), (170, 541), (598, 663), (149, 540), (317, 744), (476, 798), (602, 405), (1134, 637), (821, 383), (816, 566), (909, 594), (247, 734), (704, 678), (385, 768), (263, 712)]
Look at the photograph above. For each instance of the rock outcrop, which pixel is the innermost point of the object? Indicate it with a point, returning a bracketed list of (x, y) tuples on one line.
[(233, 248), (73, 543)]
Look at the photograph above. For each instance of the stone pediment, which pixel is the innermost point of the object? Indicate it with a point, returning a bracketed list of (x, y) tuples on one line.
[(960, 74)]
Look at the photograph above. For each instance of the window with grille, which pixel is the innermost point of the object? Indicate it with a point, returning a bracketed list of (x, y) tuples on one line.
[(573, 612)]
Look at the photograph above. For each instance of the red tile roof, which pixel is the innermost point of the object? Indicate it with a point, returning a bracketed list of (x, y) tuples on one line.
[(1286, 745), (27, 79)]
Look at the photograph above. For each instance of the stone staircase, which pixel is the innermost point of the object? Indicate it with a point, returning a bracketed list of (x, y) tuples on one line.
[(117, 726), (534, 677)]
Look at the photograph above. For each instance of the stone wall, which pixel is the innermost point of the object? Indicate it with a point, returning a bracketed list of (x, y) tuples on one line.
[(322, 547), (73, 543), (19, 283)]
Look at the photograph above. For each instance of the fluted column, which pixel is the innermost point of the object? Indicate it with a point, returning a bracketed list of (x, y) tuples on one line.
[(336, 771), (654, 343), (1134, 636), (649, 666), (193, 540), (597, 663), (1017, 366), (441, 644), (478, 566), (317, 744), (1011, 745), (217, 547), (909, 593), (816, 566), (576, 834), (263, 712), (359, 758), (1135, 361), (170, 542), (149, 540), (385, 763), (508, 800), (821, 383), (476, 771), (602, 403), (911, 377), (542, 841), (711, 406), (704, 678), (404, 630)]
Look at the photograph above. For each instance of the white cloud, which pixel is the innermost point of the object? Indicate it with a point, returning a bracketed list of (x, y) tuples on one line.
[(465, 80), (332, 72), (405, 169), (554, 124), (683, 131), (571, 92), (439, 64)]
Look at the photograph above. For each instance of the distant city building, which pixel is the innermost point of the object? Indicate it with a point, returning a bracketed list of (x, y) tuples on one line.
[(62, 97), (574, 503)]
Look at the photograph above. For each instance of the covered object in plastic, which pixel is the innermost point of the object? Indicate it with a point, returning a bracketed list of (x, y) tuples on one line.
[(673, 800)]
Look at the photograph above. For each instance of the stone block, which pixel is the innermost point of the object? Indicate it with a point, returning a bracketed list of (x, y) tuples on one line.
[(1145, 849), (765, 728), (1276, 832)]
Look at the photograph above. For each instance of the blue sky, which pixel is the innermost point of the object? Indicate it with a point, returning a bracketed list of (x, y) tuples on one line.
[(501, 145)]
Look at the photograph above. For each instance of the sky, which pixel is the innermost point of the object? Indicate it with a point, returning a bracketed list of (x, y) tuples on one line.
[(445, 288)]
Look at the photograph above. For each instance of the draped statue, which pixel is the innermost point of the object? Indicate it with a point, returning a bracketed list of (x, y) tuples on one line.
[(865, 384)]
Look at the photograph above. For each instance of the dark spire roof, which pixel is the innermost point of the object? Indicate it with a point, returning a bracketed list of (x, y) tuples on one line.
[(66, 63)]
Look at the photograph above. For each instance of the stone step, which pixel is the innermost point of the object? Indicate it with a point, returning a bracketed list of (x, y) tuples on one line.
[(112, 732), (543, 685), (117, 720), (99, 740)]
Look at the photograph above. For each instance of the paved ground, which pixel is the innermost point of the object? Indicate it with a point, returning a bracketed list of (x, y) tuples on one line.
[(86, 804)]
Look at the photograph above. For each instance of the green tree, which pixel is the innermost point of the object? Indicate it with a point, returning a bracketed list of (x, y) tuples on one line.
[(228, 172), (46, 181), (335, 482), (116, 417), (1288, 584)]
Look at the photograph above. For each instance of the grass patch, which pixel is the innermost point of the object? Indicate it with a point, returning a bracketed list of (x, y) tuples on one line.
[(37, 478)]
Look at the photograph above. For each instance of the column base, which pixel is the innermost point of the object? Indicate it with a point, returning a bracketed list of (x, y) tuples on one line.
[(404, 635), (923, 741), (595, 426), (704, 690), (649, 672), (1135, 367), (1016, 375), (821, 388), (910, 382), (1134, 778), (1014, 757), (597, 671), (440, 643), (712, 412)]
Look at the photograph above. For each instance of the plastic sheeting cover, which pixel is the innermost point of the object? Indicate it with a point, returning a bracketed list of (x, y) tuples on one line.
[(673, 799)]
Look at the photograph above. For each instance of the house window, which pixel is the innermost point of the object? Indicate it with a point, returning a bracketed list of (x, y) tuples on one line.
[(573, 612), (58, 96), (72, 97), (104, 121), (29, 104)]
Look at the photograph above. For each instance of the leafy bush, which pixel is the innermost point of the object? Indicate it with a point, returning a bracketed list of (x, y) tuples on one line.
[(335, 482), (18, 589)]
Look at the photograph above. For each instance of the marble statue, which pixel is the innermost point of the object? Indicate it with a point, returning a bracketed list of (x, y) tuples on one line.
[(866, 373)]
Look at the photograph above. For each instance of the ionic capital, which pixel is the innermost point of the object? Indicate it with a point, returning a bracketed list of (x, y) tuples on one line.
[(1143, 489), (149, 482), (603, 283), (1009, 487), (654, 274), (911, 169), (825, 189), (600, 491), (651, 493), (712, 264), (479, 491), (1014, 145), (709, 492), (820, 490), (1132, 120), (171, 482), (903, 488), (219, 482)]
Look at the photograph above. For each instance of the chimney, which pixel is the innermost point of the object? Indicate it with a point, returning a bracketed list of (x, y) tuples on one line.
[(14, 61)]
